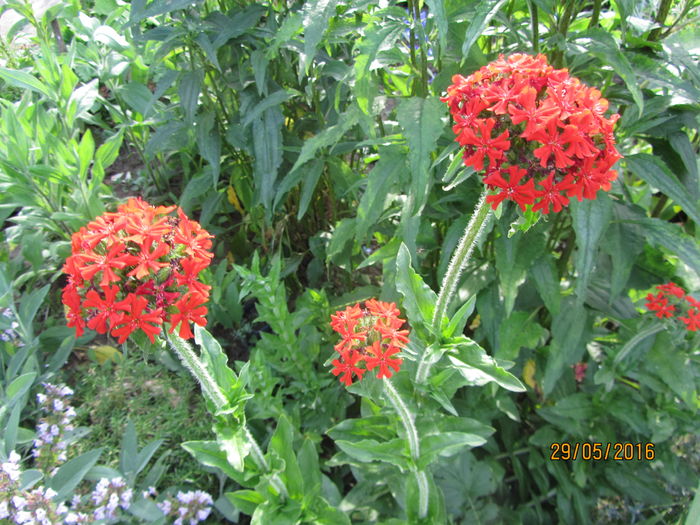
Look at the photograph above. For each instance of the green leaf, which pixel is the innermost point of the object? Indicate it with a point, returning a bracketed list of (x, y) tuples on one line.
[(71, 473), (271, 101), (19, 386), (681, 145), (107, 153), (159, 7), (282, 444), (673, 238), (393, 451), (546, 280), (590, 219), (437, 9), (479, 368), (623, 242), (209, 453), (605, 48), (209, 143), (128, 455), (267, 148), (24, 80), (81, 100), (694, 511), (234, 444), (29, 305), (654, 172), (245, 500), (516, 332), (418, 299), (513, 257), (459, 319), (485, 11), (307, 458), (316, 16), (344, 232), (674, 368), (436, 501), (421, 121), (327, 137), (446, 444), (308, 185), (379, 181), (566, 348), (86, 151), (145, 509), (190, 86), (378, 427)]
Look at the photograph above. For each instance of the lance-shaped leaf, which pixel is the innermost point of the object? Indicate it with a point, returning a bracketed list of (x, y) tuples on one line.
[(479, 368)]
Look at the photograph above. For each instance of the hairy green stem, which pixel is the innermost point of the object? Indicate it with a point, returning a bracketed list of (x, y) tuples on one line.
[(198, 369), (413, 445), (535, 26), (460, 259)]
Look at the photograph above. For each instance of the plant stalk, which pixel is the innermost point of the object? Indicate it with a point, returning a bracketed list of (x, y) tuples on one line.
[(413, 445), (460, 259)]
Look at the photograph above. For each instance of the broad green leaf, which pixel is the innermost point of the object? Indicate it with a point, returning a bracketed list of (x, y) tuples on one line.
[(86, 151), (394, 451), (520, 330), (325, 138), (29, 305), (421, 121), (379, 181), (377, 37), (437, 9), (681, 144), (316, 15), (267, 148), (418, 299), (271, 101), (603, 46), (234, 443), (24, 80), (136, 96), (446, 444), (19, 386), (655, 173), (291, 26), (145, 509), (209, 453), (246, 500), (209, 143), (107, 153), (190, 86), (308, 184), (546, 280), (308, 464), (694, 511), (128, 455), (623, 242), (11, 428), (159, 7), (71, 473), (459, 320), (674, 368), (513, 258), (479, 368), (228, 27), (282, 444), (566, 348), (81, 100), (485, 11), (590, 219), (672, 238)]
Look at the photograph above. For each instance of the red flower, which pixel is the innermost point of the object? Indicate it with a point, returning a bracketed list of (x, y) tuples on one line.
[(521, 194), (189, 309), (347, 365), (106, 309), (659, 304), (381, 357), (135, 318), (672, 289), (548, 123), (135, 253), (365, 332), (692, 322)]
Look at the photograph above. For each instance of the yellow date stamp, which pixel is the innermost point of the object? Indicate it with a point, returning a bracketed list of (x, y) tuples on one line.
[(565, 451)]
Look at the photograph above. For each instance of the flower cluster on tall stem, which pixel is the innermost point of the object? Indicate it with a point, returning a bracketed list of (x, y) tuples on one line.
[(539, 135), (671, 301), (370, 335), (137, 269)]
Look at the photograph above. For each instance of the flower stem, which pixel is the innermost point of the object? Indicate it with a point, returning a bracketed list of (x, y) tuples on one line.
[(212, 391), (413, 445), (460, 259)]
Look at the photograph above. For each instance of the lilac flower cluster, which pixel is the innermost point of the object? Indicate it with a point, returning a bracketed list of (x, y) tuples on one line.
[(108, 496), (9, 482), (10, 334), (36, 507), (188, 508), (50, 444)]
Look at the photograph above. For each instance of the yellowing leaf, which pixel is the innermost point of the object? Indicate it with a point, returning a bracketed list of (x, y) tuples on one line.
[(104, 353), (529, 373), (233, 199)]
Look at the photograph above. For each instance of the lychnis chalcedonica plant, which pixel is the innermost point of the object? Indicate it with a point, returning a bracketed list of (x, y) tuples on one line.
[(540, 137)]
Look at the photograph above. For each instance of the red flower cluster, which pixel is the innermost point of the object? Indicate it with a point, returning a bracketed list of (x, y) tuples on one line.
[(371, 334), (660, 304), (539, 133), (135, 269)]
